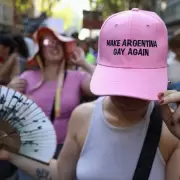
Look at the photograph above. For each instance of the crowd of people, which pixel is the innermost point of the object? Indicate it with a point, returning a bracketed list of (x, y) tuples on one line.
[(110, 110), (40, 67)]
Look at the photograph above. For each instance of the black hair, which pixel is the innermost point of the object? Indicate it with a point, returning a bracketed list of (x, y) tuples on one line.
[(21, 45), (7, 41), (75, 35)]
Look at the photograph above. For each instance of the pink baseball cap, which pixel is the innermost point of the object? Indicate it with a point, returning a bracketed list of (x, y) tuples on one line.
[(132, 58)]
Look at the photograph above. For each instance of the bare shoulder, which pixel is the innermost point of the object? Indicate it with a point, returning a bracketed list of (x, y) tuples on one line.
[(168, 143), (84, 109), (81, 115)]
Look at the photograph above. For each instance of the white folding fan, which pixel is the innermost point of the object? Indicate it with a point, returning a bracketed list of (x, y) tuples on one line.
[(24, 128)]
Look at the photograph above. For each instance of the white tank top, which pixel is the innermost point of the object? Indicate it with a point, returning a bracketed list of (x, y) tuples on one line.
[(111, 153)]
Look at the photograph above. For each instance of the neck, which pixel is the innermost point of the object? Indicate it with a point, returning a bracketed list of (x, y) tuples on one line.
[(71, 67), (119, 117)]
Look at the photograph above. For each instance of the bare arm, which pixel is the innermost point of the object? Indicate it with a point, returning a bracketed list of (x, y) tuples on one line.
[(88, 67), (8, 65), (5, 72), (35, 169), (71, 150), (86, 83), (65, 167), (173, 165)]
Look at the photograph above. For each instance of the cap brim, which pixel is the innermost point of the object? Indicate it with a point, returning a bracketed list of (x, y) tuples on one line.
[(137, 83)]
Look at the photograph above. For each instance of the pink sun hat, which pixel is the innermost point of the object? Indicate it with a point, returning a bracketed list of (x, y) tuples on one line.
[(132, 58)]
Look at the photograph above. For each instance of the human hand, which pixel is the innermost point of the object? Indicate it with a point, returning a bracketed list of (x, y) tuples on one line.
[(172, 119), (78, 57), (18, 84), (13, 57), (5, 155)]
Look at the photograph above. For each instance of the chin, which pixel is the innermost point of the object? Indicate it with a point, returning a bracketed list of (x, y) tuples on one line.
[(129, 104), (55, 60)]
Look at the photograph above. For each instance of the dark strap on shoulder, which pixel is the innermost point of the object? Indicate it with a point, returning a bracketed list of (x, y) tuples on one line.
[(52, 115), (150, 146)]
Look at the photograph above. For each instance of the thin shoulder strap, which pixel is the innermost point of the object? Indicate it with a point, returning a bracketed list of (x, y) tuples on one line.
[(150, 146)]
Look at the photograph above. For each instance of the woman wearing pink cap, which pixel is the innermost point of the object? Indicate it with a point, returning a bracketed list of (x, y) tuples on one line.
[(122, 135)]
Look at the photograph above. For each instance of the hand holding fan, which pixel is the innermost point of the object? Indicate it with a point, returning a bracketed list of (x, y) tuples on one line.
[(24, 128)]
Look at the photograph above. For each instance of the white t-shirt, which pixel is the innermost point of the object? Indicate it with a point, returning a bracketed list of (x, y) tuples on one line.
[(30, 45), (173, 68)]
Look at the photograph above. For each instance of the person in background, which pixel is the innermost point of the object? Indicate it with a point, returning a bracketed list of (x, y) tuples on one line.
[(22, 50), (10, 49), (7, 47), (8, 59), (174, 62), (52, 59), (171, 54), (94, 45), (89, 56), (30, 45), (7, 64)]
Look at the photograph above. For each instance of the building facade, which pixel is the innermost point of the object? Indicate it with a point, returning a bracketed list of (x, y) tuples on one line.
[(171, 15), (10, 19), (6, 15)]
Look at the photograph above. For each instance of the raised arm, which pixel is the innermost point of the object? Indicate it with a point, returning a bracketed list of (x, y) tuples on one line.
[(79, 60), (89, 68), (7, 68)]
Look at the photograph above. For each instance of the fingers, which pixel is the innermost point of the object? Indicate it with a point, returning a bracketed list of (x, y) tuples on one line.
[(76, 55), (170, 97), (22, 81), (20, 88), (18, 84), (79, 53), (169, 92), (4, 155), (72, 60)]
